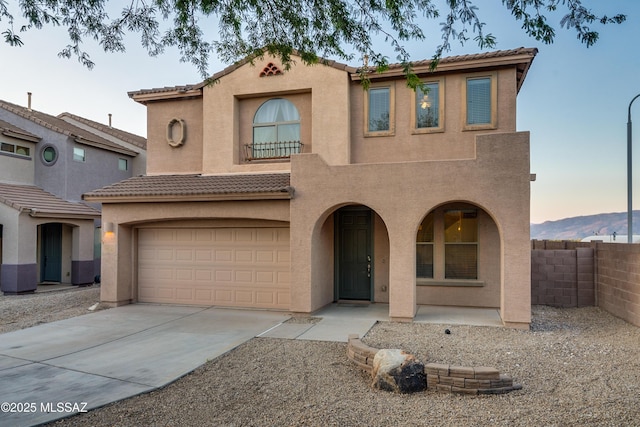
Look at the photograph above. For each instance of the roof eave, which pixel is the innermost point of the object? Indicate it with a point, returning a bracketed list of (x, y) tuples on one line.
[(524, 58), (146, 96), (120, 150), (35, 213), (280, 195), (18, 135)]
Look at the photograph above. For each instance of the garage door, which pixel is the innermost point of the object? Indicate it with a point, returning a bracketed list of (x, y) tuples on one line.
[(234, 267)]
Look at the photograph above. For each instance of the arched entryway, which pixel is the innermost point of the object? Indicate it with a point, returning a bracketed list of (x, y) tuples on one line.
[(350, 257)]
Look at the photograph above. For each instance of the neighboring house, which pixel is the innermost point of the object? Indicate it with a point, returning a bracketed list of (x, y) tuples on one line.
[(294, 189), (47, 233), (120, 137)]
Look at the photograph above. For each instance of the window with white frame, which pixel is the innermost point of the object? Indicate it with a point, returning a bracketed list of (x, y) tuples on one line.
[(78, 154), (276, 130)]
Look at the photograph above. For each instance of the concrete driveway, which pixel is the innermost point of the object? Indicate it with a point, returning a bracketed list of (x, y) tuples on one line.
[(53, 370), (56, 369)]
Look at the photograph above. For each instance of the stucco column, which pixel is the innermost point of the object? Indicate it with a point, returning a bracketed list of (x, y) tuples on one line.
[(515, 304), (19, 270), (402, 277), (301, 262), (82, 267), (117, 261)]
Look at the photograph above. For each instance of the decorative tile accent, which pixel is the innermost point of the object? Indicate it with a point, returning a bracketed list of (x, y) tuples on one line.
[(270, 70)]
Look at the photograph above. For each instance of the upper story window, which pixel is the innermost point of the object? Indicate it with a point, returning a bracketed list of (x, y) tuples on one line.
[(18, 150), (276, 131), (428, 108), (480, 102), (379, 110), (78, 154), (123, 164)]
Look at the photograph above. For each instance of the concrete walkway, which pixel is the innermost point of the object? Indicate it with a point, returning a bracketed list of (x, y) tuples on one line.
[(53, 370)]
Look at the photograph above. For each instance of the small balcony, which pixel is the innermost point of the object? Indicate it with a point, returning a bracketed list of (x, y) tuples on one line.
[(272, 150)]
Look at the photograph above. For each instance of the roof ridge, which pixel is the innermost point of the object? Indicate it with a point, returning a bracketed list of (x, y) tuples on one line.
[(72, 131), (110, 130), (23, 112)]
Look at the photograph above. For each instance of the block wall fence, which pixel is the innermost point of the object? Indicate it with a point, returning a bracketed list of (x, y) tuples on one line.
[(578, 274)]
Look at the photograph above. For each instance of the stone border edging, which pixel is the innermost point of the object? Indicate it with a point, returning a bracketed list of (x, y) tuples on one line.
[(441, 377)]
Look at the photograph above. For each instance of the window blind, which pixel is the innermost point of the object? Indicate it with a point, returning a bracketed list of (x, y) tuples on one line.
[(479, 101)]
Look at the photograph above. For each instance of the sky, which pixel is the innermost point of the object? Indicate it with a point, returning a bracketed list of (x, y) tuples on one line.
[(574, 101)]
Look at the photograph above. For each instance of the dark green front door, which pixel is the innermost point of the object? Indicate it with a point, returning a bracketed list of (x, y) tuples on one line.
[(51, 254), (353, 254)]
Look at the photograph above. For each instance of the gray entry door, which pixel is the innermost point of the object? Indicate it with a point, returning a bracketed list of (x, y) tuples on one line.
[(354, 254)]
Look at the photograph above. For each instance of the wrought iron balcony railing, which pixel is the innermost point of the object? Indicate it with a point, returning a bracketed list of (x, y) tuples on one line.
[(272, 150)]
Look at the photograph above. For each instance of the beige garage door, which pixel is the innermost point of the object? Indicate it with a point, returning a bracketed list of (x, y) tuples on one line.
[(234, 267)]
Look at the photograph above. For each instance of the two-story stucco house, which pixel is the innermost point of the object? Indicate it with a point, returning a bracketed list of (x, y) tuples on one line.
[(47, 233), (294, 189)]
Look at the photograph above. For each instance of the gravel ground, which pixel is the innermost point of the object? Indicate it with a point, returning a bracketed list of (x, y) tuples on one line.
[(576, 366), (25, 311)]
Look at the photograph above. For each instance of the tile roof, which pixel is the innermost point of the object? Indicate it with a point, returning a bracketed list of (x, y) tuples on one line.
[(195, 186), (474, 57), (520, 57), (192, 90), (41, 203), (197, 87), (118, 133), (58, 125), (9, 129)]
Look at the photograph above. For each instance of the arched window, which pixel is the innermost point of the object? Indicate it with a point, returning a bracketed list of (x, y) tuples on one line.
[(276, 130)]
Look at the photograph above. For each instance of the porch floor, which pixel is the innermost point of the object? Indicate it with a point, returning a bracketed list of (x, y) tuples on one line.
[(336, 321)]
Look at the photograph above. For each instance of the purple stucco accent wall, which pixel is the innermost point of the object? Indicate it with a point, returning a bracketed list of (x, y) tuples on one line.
[(18, 278), (82, 272)]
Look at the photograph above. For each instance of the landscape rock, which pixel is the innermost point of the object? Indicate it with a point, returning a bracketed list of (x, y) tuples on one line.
[(397, 371)]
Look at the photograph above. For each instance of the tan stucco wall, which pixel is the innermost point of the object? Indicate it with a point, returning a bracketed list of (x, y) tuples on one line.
[(162, 157), (380, 260), (452, 143), (324, 87), (497, 181)]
